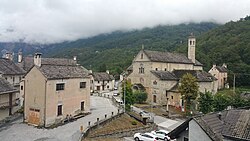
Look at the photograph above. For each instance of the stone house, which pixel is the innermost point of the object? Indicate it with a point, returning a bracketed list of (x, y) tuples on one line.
[(55, 89), (12, 73), (165, 85), (102, 81), (8, 99), (228, 125), (149, 68), (220, 72)]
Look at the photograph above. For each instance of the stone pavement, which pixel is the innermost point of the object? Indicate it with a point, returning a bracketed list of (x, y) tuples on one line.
[(18, 131)]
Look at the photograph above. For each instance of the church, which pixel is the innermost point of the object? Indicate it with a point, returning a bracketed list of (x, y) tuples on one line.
[(160, 72)]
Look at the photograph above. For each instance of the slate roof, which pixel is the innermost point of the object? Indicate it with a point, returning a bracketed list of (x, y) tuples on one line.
[(6, 87), (102, 76), (221, 69), (62, 72), (201, 76), (168, 57), (8, 67), (28, 62), (164, 75), (234, 124)]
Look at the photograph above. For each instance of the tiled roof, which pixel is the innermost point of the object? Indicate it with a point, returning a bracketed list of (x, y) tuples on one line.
[(201, 76), (28, 62), (102, 76), (6, 87), (233, 124), (10, 68), (164, 75), (221, 69), (168, 57), (59, 71)]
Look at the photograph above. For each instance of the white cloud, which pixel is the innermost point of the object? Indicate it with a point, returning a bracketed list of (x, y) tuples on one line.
[(49, 21)]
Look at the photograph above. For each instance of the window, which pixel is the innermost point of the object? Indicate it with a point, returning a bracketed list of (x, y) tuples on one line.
[(172, 97), (156, 69), (107, 81), (108, 87), (82, 106), (141, 69), (165, 69), (59, 86), (190, 42), (98, 82), (82, 84), (185, 139), (59, 110), (13, 80), (21, 88), (141, 56)]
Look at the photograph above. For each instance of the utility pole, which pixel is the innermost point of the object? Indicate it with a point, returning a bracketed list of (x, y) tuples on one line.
[(234, 84), (124, 87)]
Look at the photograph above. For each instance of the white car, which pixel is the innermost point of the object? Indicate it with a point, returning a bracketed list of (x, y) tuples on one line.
[(145, 137), (161, 134)]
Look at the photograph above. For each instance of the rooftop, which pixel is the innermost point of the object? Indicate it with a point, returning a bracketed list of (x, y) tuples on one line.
[(6, 87), (8, 67), (102, 76), (167, 57)]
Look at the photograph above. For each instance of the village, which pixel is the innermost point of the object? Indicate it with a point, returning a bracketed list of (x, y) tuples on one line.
[(52, 99)]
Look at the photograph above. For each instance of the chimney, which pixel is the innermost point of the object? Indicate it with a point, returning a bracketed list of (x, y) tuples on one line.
[(9, 56), (107, 71), (191, 47), (90, 71), (38, 59), (224, 65), (20, 57), (219, 115)]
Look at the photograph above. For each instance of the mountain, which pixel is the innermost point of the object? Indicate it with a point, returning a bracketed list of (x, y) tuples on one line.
[(116, 50), (228, 44)]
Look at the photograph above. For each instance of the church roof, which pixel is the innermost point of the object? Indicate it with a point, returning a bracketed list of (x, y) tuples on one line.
[(6, 87), (10, 68), (201, 76), (102, 76), (167, 57), (221, 69), (164, 75)]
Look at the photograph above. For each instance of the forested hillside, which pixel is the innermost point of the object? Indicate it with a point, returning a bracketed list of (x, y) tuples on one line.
[(228, 44), (115, 51)]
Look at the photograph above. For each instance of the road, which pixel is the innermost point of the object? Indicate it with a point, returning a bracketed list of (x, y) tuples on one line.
[(19, 131)]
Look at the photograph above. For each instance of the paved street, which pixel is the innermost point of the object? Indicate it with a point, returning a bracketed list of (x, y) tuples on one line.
[(19, 131)]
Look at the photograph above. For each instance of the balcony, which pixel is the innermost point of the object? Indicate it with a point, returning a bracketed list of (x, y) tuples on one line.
[(5, 105)]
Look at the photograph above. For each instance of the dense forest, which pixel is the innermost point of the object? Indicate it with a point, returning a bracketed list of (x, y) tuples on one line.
[(228, 44), (115, 51)]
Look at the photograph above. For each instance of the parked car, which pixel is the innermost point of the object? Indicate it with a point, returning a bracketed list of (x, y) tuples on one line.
[(144, 114), (161, 134), (145, 137)]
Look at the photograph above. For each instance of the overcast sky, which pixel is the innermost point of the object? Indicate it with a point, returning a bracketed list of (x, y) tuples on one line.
[(50, 21)]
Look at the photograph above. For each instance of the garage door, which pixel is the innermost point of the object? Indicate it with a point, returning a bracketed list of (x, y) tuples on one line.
[(34, 116)]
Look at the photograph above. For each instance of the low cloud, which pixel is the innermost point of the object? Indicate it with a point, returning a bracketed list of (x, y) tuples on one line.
[(51, 21)]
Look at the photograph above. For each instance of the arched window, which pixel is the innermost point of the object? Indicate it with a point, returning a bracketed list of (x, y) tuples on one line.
[(142, 56), (190, 42)]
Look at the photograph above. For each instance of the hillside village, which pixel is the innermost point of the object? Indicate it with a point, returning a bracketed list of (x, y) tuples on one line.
[(50, 92)]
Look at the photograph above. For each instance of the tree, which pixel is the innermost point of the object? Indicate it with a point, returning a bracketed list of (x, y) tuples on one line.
[(129, 97), (189, 90), (221, 101), (206, 102), (140, 97)]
